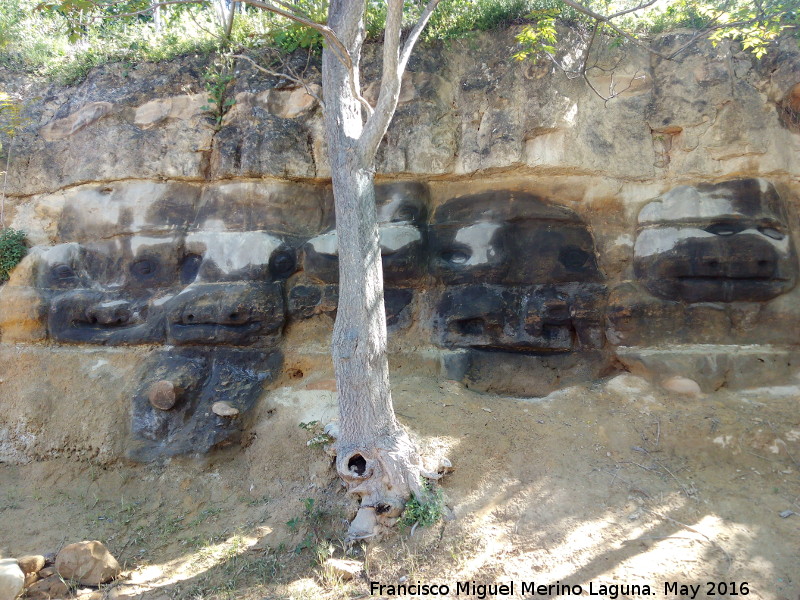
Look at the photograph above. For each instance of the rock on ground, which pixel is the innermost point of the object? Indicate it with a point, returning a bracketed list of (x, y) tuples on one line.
[(31, 564), (89, 563), (47, 588), (11, 579)]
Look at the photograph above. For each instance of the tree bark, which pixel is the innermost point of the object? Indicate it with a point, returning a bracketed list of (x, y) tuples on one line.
[(375, 456)]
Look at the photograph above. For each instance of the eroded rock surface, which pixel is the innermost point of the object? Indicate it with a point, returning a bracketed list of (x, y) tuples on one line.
[(532, 235)]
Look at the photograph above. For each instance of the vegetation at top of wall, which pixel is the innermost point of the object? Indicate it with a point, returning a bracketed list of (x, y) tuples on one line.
[(12, 251), (46, 39), (754, 23), (41, 37)]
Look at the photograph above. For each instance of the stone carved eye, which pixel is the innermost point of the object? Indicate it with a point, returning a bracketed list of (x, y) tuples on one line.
[(573, 257), (282, 263), (469, 326), (405, 214), (63, 273), (144, 269), (458, 255), (725, 229), (771, 232)]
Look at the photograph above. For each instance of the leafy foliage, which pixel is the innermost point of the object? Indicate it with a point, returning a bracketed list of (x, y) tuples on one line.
[(67, 38), (754, 23), (759, 22), (218, 78), (12, 251), (540, 36), (424, 510), (289, 35), (10, 115), (44, 41)]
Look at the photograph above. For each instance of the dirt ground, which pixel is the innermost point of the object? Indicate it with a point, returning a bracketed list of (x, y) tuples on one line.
[(618, 483)]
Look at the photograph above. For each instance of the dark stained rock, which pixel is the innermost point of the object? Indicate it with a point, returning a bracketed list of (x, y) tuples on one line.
[(252, 139), (397, 305), (637, 318), (307, 299), (724, 242), (288, 208), (240, 256), (510, 238), (236, 313), (402, 209), (101, 292), (101, 211), (523, 300), (523, 374), (541, 318), (201, 378)]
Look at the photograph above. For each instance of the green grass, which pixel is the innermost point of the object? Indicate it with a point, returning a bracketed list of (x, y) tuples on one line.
[(51, 45)]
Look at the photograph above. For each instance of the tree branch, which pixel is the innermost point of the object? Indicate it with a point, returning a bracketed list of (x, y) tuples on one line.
[(335, 44), (292, 78), (395, 60), (633, 39), (412, 38), (143, 11), (289, 11), (323, 29)]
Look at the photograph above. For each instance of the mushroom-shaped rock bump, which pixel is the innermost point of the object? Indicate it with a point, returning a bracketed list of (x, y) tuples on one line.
[(224, 409), (162, 394), (87, 562), (12, 579)]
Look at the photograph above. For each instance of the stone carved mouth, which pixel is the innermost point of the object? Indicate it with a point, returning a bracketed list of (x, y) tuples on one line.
[(522, 348), (119, 323), (724, 278), (249, 325), (101, 318)]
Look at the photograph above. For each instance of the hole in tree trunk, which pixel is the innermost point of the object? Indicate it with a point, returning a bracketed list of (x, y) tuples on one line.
[(357, 465), (382, 508)]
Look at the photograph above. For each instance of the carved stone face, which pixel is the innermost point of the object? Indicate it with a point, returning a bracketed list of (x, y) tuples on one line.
[(538, 318), (510, 238), (402, 212), (205, 288), (231, 296), (200, 268), (234, 295), (724, 242), (103, 292), (537, 266)]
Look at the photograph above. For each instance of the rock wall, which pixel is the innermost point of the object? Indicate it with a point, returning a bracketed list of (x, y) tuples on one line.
[(533, 234)]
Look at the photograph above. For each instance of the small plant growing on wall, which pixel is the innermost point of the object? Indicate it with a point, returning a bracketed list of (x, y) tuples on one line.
[(218, 78), (12, 250)]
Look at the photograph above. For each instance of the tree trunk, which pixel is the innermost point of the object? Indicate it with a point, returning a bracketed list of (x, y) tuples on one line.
[(375, 456)]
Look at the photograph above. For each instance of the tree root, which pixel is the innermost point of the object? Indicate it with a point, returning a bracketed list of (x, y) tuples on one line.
[(382, 475)]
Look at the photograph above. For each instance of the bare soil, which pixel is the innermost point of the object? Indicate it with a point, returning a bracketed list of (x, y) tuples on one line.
[(616, 483)]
